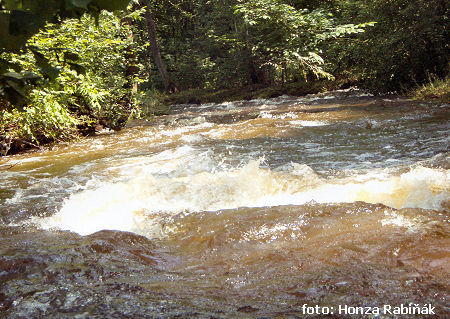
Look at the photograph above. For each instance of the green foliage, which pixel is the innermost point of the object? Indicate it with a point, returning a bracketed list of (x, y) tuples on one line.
[(151, 102), (47, 117), (290, 39), (220, 44), (21, 19), (71, 76), (409, 41), (435, 90)]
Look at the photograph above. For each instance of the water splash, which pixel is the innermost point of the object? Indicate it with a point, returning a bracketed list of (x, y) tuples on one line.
[(130, 205)]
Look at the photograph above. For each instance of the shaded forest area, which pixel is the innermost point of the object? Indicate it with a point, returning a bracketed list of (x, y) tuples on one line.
[(69, 68)]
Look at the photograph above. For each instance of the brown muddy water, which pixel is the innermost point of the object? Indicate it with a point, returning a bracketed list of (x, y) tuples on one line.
[(236, 210)]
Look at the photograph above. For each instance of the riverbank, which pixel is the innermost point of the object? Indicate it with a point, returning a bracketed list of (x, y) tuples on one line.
[(250, 92), (436, 91), (13, 140)]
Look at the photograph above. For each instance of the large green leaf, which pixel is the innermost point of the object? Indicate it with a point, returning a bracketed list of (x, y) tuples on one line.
[(71, 56), (77, 67), (14, 93), (20, 78), (50, 73), (31, 76), (12, 76), (41, 60)]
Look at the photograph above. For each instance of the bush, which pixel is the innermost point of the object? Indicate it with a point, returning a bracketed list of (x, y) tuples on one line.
[(79, 79), (435, 90), (409, 41)]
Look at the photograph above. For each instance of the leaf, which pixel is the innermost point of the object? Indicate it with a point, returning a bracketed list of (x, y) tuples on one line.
[(50, 72), (12, 76), (14, 94), (77, 67), (16, 87), (31, 76), (20, 78), (71, 56), (41, 60)]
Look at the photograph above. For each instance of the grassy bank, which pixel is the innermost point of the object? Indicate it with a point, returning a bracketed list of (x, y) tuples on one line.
[(437, 90)]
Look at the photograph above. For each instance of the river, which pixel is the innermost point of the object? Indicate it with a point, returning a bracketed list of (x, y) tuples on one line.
[(248, 209)]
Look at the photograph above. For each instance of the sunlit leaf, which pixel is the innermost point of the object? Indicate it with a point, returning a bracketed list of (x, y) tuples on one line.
[(31, 76), (12, 76)]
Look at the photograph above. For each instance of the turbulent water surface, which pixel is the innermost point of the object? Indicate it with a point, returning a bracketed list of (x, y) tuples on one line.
[(247, 209)]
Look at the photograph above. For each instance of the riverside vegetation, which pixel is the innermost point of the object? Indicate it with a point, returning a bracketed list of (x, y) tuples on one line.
[(68, 68)]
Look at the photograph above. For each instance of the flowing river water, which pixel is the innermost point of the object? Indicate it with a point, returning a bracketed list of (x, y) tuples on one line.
[(248, 209)]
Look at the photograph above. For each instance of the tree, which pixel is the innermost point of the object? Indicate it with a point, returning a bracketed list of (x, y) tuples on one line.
[(408, 44), (289, 37), (151, 31), (220, 44)]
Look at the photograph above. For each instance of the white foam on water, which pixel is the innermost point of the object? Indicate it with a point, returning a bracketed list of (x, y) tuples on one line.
[(192, 138), (183, 130), (282, 116), (228, 105), (132, 204), (308, 123), (394, 219), (265, 115)]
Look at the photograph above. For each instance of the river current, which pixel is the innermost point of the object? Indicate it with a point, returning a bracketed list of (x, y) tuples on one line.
[(247, 209)]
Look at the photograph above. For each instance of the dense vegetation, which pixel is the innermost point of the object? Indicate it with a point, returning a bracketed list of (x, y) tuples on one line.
[(67, 67)]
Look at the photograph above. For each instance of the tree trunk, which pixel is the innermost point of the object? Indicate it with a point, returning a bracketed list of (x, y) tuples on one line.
[(283, 72), (151, 29), (132, 69)]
